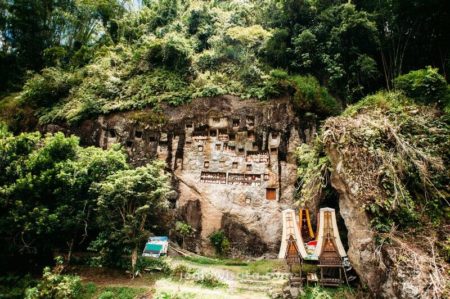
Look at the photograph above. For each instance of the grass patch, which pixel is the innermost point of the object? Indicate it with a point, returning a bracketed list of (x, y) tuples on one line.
[(260, 267), (209, 281), (392, 101), (328, 293), (266, 266), (91, 291), (168, 295), (121, 292), (203, 260)]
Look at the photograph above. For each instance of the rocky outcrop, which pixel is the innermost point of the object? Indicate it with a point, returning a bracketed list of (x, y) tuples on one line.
[(233, 162), (398, 268), (242, 241)]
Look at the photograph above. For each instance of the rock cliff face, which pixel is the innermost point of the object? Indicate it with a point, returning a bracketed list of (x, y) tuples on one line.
[(233, 163), (400, 268)]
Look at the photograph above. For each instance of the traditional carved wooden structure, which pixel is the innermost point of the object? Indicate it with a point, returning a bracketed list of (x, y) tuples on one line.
[(329, 252), (332, 270)]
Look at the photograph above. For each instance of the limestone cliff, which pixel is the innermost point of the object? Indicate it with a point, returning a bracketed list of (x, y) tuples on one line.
[(233, 163), (374, 158)]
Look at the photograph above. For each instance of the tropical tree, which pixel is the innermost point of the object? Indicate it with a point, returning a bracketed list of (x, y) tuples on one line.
[(127, 199)]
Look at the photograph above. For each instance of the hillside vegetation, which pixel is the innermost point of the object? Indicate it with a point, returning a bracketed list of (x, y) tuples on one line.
[(86, 58), (372, 74)]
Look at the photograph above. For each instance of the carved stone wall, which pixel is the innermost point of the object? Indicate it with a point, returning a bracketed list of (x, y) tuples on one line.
[(231, 157)]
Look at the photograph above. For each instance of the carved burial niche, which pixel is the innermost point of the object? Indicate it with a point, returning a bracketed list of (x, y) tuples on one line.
[(250, 121), (236, 122), (271, 193), (244, 179), (213, 177), (112, 133), (138, 134), (251, 136)]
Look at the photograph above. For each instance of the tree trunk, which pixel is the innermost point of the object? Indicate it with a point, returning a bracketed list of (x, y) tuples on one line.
[(134, 256), (69, 254)]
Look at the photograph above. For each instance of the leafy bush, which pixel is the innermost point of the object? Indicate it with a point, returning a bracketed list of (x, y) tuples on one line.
[(392, 101), (55, 286), (208, 60), (209, 280), (49, 87), (183, 228), (153, 264), (424, 85), (275, 49), (181, 271), (169, 53), (220, 242), (14, 287), (279, 74), (309, 96), (312, 172)]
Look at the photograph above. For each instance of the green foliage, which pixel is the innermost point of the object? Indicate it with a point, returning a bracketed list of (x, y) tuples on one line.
[(265, 266), (49, 193), (327, 293), (202, 260), (55, 286), (126, 200), (169, 53), (178, 295), (275, 51), (183, 228), (48, 88), (405, 145), (389, 101), (209, 280), (311, 97), (14, 286), (181, 270), (424, 86), (220, 242), (312, 173), (121, 292), (153, 265)]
